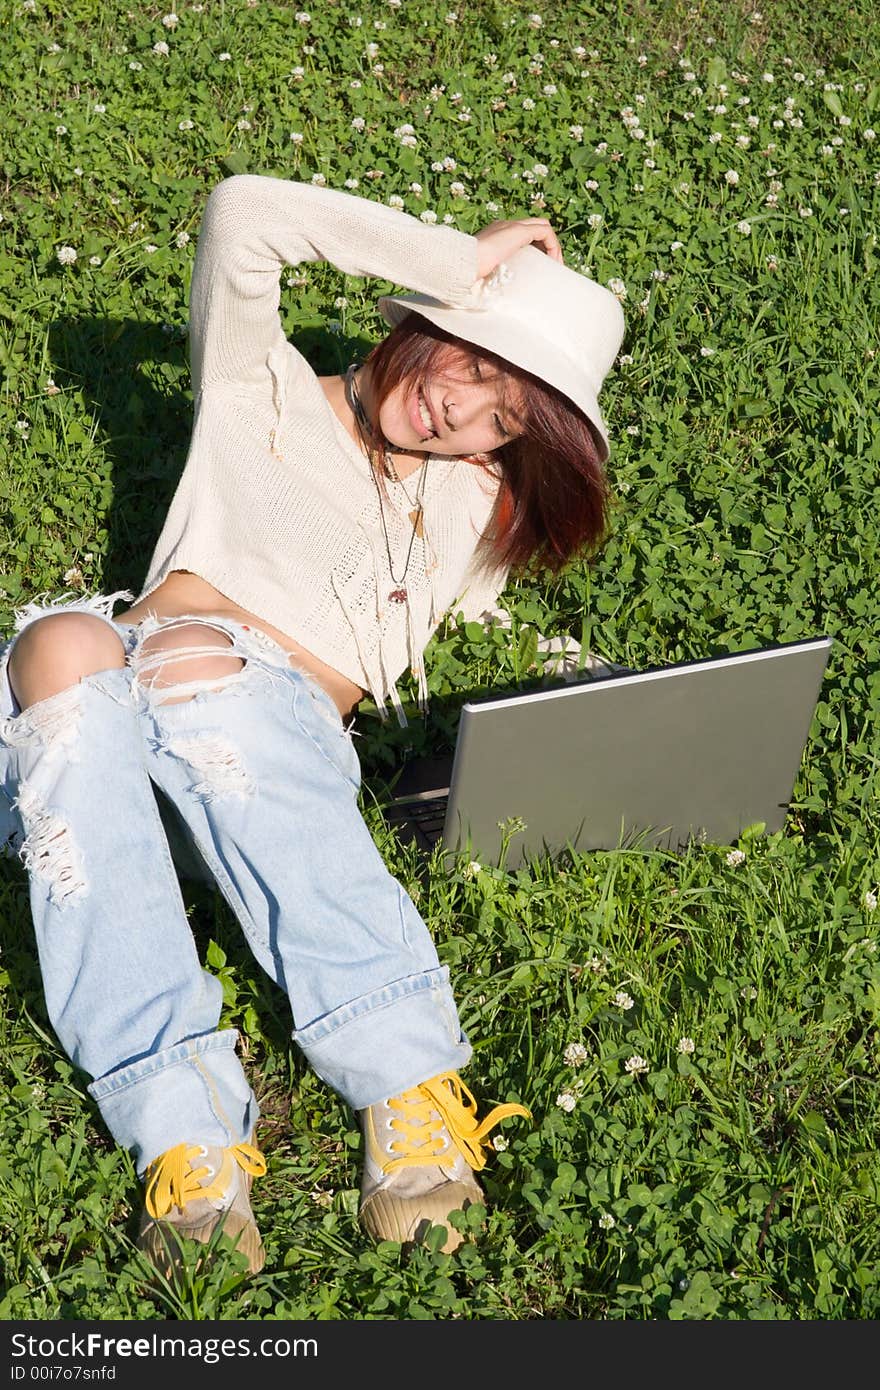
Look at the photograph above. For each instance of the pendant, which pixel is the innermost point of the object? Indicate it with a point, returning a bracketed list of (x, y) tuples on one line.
[(398, 596), (415, 517)]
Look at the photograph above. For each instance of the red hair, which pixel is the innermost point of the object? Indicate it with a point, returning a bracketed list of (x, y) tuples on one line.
[(552, 502)]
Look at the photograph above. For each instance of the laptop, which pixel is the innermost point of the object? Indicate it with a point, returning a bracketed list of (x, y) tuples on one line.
[(692, 751)]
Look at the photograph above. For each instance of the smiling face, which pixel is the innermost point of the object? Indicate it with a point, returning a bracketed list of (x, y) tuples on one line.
[(464, 406)]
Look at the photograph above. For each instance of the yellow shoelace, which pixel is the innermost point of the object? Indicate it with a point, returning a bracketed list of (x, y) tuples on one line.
[(444, 1100), (173, 1180)]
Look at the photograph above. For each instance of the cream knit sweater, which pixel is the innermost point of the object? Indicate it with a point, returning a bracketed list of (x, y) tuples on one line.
[(276, 506)]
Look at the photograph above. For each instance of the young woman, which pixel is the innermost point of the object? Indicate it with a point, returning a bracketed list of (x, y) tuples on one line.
[(320, 529)]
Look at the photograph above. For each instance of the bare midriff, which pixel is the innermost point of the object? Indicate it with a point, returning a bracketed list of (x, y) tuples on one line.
[(183, 593)]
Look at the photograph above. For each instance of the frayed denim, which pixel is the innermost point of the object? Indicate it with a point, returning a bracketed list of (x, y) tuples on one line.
[(264, 777)]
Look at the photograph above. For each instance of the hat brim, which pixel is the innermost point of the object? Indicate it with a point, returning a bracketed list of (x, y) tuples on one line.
[(493, 332)]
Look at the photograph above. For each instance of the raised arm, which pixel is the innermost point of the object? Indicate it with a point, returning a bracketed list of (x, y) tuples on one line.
[(254, 225)]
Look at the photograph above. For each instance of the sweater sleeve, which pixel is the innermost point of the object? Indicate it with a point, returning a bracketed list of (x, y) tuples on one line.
[(253, 225)]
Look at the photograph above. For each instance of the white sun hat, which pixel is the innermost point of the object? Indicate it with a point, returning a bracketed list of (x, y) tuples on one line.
[(542, 316)]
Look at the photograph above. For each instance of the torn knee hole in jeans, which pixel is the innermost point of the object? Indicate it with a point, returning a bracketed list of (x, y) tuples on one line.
[(49, 851), (209, 666)]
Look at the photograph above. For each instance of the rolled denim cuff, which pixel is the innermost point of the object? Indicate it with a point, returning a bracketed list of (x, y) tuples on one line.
[(195, 1092), (388, 1041)]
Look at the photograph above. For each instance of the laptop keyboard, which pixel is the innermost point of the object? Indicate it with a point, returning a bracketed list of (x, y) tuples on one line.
[(424, 819)]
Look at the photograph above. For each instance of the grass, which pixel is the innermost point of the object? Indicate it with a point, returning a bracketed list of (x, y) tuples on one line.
[(735, 1174)]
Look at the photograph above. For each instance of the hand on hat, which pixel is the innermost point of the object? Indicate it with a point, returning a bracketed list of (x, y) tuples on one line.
[(501, 239)]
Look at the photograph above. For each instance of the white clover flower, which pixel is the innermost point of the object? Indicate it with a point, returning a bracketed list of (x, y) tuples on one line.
[(708, 351), (767, 77), (742, 142), (50, 388), (549, 89), (224, 57), (595, 221), (161, 48), (243, 124), (135, 66), (869, 134), (428, 216), (416, 188), (621, 999), (625, 359), (372, 50), (23, 427), (74, 577), (298, 73), (735, 858), (65, 255), (805, 212), (358, 123), (318, 180), (458, 190), (566, 1100), (535, 21), (676, 245), (844, 120), (575, 1054), (744, 228), (731, 177), (606, 1221), (500, 1144), (352, 183), (448, 219), (748, 993), (591, 184), (617, 287), (870, 899), (170, 21), (528, 104), (450, 18), (151, 248), (181, 240), (772, 263), (302, 17), (715, 137), (685, 1046), (395, 201), (94, 260), (576, 132), (635, 1065)]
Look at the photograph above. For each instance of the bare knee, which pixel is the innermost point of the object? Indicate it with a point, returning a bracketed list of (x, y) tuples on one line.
[(56, 652), (196, 653)]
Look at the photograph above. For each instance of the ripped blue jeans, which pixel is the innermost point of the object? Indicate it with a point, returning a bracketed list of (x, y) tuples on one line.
[(265, 779)]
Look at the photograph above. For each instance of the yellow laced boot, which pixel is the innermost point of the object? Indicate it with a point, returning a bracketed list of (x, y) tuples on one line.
[(421, 1150), (193, 1188)]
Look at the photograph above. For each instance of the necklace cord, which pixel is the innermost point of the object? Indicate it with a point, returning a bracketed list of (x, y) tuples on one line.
[(398, 593)]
